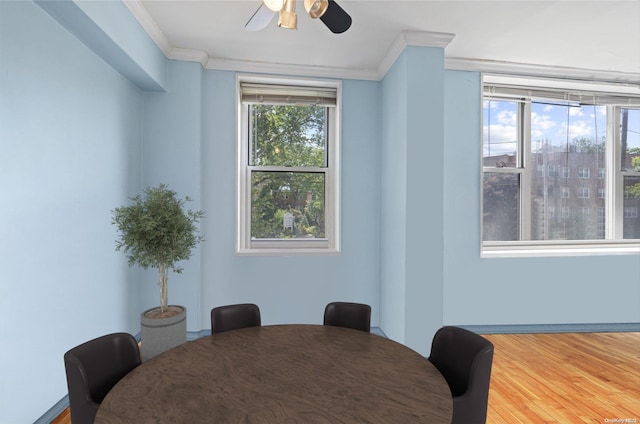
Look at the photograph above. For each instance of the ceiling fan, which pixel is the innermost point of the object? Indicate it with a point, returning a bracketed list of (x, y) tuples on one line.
[(329, 12)]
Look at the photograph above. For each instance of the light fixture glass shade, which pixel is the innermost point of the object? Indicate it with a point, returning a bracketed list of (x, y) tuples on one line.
[(316, 8), (288, 18), (275, 5)]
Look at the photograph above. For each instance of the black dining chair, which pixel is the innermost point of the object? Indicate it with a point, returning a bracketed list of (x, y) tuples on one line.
[(233, 317), (464, 358), (349, 315), (93, 368)]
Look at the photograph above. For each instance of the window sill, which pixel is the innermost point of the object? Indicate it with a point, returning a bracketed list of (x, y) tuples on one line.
[(288, 247), (287, 252), (550, 249)]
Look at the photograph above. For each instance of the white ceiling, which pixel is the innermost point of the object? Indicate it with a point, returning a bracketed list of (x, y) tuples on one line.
[(602, 36)]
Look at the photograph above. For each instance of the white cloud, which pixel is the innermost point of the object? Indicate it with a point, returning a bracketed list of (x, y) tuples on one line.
[(540, 125), (507, 117), (577, 129), (501, 133), (503, 139), (576, 111)]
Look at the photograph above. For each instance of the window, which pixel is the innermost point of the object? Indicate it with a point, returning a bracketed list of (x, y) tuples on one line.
[(583, 192), (584, 173), (533, 137), (288, 166)]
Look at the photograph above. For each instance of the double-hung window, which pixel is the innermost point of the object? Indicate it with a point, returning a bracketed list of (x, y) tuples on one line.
[(287, 166), (541, 143)]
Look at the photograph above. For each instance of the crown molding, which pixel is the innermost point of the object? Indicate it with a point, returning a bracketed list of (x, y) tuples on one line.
[(411, 38), (542, 71), (189, 55), (427, 38), (289, 69), (138, 10)]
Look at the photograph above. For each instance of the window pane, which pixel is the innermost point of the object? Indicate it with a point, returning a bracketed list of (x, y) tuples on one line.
[(287, 205), (501, 200), (568, 154), (631, 222), (630, 138), (500, 129), (292, 136)]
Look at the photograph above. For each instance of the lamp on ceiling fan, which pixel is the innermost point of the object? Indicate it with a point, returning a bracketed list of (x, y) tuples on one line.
[(328, 11)]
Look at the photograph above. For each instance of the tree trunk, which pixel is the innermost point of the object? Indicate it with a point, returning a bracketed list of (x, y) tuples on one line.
[(164, 289)]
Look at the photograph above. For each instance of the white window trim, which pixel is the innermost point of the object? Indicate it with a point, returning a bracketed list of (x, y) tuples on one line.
[(614, 244), (330, 245), (519, 249)]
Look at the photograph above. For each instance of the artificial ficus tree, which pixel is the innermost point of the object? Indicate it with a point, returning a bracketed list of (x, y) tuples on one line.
[(157, 231)]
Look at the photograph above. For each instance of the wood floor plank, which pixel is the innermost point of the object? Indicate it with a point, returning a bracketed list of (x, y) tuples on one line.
[(565, 378)]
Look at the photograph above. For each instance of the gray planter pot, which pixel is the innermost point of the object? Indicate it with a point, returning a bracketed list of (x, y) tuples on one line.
[(160, 334)]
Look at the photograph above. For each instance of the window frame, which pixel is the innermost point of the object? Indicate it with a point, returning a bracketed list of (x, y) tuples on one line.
[(633, 212), (614, 243), (330, 245), (584, 192)]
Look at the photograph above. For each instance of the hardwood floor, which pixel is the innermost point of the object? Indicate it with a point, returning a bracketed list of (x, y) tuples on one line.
[(559, 378), (63, 418), (565, 378)]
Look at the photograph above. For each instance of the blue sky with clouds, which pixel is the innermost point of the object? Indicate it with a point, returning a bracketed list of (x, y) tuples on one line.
[(549, 122)]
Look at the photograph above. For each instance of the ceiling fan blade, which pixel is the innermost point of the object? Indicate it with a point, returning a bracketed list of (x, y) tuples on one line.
[(260, 19), (335, 18)]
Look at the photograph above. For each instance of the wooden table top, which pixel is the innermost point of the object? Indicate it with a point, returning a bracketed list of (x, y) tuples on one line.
[(283, 374)]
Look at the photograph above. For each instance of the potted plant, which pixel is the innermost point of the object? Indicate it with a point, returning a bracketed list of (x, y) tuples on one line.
[(157, 231)]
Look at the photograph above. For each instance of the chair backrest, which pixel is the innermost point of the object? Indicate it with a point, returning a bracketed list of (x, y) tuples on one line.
[(464, 359), (93, 368), (349, 315), (233, 317)]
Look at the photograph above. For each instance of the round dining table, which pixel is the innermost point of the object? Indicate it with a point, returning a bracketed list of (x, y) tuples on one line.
[(282, 374)]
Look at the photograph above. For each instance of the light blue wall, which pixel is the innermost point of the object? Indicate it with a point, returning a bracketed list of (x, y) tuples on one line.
[(517, 291), (70, 151), (412, 195), (425, 185), (393, 198), (113, 33)]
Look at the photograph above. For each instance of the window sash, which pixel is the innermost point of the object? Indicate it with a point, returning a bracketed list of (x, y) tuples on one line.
[(251, 156)]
